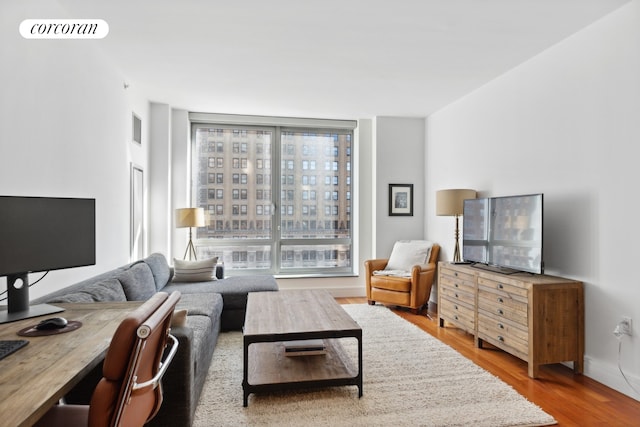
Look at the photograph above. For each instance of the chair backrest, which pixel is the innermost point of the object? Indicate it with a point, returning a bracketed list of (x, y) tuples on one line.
[(129, 394)]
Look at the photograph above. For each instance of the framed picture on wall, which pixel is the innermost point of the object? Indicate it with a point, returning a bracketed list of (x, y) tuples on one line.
[(400, 199)]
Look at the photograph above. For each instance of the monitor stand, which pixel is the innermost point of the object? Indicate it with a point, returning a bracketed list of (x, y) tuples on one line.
[(32, 311), (18, 307)]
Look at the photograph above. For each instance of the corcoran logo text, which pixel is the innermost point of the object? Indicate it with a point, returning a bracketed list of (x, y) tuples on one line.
[(64, 28)]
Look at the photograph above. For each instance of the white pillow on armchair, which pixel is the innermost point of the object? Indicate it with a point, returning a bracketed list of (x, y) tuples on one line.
[(407, 253)]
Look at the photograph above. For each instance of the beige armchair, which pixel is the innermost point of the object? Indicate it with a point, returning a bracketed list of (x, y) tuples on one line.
[(411, 289)]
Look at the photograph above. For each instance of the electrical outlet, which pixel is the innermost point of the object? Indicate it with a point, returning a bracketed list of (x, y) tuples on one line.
[(623, 328), (626, 328)]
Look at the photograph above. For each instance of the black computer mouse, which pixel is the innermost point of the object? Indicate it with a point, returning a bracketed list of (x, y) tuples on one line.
[(52, 323)]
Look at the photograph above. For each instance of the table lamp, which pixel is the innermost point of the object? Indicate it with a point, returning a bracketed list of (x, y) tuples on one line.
[(190, 217), (451, 203)]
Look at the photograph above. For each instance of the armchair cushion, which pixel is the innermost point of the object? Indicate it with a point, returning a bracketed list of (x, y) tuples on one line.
[(407, 253)]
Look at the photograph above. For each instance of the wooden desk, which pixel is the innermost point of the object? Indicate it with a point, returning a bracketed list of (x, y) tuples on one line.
[(35, 377)]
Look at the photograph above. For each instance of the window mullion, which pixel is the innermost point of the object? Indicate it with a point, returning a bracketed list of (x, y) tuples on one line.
[(276, 187)]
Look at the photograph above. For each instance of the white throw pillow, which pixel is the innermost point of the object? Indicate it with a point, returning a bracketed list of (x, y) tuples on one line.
[(194, 271), (407, 253)]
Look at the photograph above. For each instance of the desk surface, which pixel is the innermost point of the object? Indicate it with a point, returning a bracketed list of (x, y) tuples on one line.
[(35, 377)]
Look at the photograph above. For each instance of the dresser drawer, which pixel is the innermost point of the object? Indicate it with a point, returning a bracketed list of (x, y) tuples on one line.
[(461, 315), (503, 287), (503, 306), (454, 282), (503, 335), (460, 294), (494, 325), (458, 275)]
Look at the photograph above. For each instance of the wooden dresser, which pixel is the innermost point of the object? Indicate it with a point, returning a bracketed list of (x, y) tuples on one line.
[(538, 318)]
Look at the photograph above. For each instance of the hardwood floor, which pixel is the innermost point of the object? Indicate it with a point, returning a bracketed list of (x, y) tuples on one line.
[(573, 400)]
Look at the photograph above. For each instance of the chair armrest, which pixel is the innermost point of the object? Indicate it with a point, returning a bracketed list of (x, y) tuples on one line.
[(153, 382), (424, 268), (421, 282), (374, 265)]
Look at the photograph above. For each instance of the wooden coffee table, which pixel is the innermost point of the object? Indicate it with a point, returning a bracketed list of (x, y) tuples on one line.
[(272, 318)]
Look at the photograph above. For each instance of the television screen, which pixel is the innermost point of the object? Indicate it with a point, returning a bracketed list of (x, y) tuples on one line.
[(44, 233), (504, 232), (475, 230), (516, 233)]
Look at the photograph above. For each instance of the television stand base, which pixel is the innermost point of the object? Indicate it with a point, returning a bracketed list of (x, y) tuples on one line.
[(496, 269)]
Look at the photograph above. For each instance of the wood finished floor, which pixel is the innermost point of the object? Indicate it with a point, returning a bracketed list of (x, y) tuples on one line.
[(573, 400)]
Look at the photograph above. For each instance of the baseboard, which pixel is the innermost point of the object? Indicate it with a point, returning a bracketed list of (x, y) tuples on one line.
[(338, 292), (609, 375)]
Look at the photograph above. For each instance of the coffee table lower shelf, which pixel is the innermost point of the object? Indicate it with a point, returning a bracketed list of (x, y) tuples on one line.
[(267, 368)]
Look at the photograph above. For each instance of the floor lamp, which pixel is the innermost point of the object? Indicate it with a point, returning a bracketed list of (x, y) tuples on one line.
[(190, 217), (451, 203)]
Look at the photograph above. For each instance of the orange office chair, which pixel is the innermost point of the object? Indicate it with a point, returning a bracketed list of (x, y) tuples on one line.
[(130, 393)]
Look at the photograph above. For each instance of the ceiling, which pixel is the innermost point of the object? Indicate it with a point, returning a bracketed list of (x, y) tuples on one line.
[(344, 59)]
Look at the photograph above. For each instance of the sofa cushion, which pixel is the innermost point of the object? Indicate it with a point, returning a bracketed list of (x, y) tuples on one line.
[(80, 286), (233, 289), (103, 291), (159, 268), (204, 304), (194, 271), (407, 253), (73, 297), (137, 282)]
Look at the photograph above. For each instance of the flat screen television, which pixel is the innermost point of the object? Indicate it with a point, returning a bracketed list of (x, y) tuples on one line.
[(41, 234), (504, 233)]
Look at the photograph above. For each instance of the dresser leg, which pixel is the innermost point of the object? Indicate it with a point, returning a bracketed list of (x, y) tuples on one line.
[(533, 370)]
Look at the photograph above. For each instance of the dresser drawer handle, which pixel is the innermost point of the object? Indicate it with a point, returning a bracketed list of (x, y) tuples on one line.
[(500, 286), (500, 312), (455, 317), (500, 338), (500, 300), (456, 294), (455, 307), (500, 325), (456, 285), (455, 274)]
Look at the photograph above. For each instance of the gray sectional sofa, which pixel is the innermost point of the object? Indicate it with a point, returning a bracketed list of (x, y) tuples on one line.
[(212, 306)]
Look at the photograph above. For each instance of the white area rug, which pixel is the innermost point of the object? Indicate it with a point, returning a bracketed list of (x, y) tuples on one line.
[(410, 378)]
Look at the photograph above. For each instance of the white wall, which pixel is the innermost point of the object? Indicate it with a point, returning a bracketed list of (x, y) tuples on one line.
[(160, 168), (565, 123), (65, 131), (399, 159)]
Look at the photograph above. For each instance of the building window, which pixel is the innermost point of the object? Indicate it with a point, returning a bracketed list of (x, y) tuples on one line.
[(309, 239)]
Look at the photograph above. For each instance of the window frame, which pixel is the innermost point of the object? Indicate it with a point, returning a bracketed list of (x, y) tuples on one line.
[(278, 244)]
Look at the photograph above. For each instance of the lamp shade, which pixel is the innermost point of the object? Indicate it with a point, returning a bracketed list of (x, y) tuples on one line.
[(190, 217), (451, 202)]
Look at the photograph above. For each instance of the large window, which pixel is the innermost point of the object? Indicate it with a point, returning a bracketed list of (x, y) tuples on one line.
[(278, 197)]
